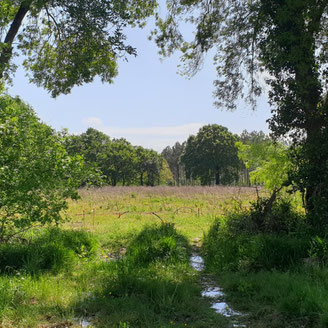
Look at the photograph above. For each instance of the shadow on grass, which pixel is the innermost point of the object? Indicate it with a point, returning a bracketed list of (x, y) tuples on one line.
[(49, 283), (152, 286)]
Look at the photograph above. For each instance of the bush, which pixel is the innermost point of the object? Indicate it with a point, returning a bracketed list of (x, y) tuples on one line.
[(36, 173), (54, 250), (245, 241), (157, 244), (280, 218)]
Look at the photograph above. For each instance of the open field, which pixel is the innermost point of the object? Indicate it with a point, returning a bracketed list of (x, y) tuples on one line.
[(115, 264), (59, 278), (113, 214)]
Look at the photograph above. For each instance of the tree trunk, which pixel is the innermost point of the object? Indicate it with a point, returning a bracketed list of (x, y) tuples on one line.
[(316, 194), (308, 89), (315, 152), (6, 53), (141, 179), (217, 176)]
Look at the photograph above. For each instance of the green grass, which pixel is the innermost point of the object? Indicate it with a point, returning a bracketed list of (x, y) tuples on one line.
[(280, 299), (278, 277), (51, 278), (191, 209), (116, 264), (38, 281), (51, 250), (152, 286)]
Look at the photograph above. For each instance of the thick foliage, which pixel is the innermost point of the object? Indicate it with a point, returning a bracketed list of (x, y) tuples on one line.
[(68, 43), (36, 173), (116, 161), (244, 241), (309, 174), (267, 162), (212, 155)]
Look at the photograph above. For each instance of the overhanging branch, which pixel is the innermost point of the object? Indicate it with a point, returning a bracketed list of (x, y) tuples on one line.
[(6, 52)]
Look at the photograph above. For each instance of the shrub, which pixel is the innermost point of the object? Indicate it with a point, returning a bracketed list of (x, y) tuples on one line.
[(246, 241), (157, 243), (36, 173), (54, 250), (280, 218)]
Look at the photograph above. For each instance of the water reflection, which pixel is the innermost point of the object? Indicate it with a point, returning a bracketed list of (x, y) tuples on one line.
[(84, 323), (224, 309), (215, 293), (197, 262)]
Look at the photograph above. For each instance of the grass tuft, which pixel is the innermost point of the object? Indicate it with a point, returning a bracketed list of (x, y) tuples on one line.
[(53, 250), (152, 286)]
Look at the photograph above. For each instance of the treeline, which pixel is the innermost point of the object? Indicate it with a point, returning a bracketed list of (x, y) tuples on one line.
[(210, 157), (117, 162)]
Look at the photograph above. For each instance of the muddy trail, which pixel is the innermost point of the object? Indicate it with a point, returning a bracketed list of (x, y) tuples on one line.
[(212, 291)]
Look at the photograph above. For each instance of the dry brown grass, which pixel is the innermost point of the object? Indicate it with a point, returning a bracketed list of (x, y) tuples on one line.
[(218, 191)]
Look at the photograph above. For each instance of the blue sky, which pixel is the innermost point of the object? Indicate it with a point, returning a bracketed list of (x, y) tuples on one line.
[(149, 104)]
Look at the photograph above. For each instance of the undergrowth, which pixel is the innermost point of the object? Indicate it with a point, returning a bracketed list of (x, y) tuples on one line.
[(38, 280), (58, 276), (152, 286), (53, 250), (271, 266)]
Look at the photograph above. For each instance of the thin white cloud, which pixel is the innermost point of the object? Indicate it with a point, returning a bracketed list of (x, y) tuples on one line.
[(155, 137), (93, 122), (163, 131)]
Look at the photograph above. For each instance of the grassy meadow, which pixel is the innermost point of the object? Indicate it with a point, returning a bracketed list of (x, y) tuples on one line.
[(114, 263), (116, 214), (122, 260)]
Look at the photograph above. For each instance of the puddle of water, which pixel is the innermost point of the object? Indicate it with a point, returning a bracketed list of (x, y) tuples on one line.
[(224, 309), (215, 293), (197, 262), (212, 292), (84, 323)]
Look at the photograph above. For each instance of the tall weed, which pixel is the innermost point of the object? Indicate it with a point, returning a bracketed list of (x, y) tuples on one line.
[(53, 250), (153, 285), (247, 242), (157, 244)]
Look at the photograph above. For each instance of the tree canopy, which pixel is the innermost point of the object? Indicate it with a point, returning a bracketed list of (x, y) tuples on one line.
[(36, 173), (67, 43), (268, 163), (284, 38), (172, 156), (212, 155), (116, 161), (282, 43)]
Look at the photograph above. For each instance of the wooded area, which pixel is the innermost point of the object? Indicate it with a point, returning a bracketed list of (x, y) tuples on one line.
[(268, 249)]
